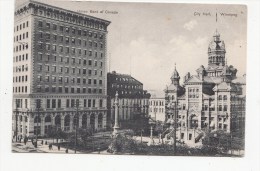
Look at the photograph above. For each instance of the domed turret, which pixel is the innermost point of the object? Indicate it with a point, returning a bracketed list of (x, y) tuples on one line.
[(175, 77), (216, 50)]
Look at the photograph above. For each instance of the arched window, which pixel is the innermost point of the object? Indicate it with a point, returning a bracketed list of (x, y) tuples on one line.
[(92, 121), (57, 120), (84, 121), (37, 119), (48, 118), (225, 97), (219, 97)]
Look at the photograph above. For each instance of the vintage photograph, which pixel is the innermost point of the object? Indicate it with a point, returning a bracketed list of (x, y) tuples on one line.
[(123, 78)]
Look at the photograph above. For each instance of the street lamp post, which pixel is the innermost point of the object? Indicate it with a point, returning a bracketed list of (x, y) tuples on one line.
[(76, 125), (116, 126), (38, 106)]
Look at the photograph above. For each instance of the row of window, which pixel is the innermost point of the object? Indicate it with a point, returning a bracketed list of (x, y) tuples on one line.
[(21, 26), (22, 68), (155, 110), (69, 30), (224, 97), (19, 103), (21, 47), (69, 40), (53, 89), (220, 108), (21, 36), (54, 58), (22, 57), (126, 86), (66, 80), (156, 103), (20, 89), (73, 70), (67, 50), (20, 79)]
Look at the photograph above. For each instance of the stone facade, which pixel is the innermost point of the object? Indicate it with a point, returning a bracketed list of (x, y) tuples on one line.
[(59, 57)]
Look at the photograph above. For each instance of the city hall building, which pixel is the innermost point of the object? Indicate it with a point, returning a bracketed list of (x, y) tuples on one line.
[(59, 59), (213, 99)]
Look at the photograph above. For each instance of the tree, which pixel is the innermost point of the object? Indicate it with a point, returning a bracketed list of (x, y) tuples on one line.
[(222, 140), (84, 134)]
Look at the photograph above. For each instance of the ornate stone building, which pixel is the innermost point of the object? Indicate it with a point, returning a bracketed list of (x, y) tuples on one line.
[(214, 99), (59, 58)]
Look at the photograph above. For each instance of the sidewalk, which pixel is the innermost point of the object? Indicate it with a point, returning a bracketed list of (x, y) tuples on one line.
[(21, 147)]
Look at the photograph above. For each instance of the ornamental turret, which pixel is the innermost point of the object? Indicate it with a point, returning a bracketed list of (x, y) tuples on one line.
[(175, 78), (216, 51)]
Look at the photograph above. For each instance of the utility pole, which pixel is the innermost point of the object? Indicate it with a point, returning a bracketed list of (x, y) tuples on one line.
[(38, 106), (76, 124), (175, 126)]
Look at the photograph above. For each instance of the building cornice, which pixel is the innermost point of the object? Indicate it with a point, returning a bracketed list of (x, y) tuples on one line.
[(63, 15)]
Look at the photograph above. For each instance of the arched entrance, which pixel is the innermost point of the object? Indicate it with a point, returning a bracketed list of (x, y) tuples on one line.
[(37, 125), (193, 121), (92, 122), (47, 124), (84, 121), (58, 121), (67, 123)]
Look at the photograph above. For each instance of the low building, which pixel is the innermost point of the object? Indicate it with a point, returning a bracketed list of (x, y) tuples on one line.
[(133, 100), (157, 108)]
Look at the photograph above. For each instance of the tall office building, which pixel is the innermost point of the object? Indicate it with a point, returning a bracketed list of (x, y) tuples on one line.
[(59, 59), (213, 99)]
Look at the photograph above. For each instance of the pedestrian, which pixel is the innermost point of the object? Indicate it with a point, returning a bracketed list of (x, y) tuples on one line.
[(46, 142), (42, 142), (66, 151), (59, 147), (49, 146)]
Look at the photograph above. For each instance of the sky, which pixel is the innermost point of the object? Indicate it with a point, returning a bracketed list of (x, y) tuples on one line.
[(147, 39)]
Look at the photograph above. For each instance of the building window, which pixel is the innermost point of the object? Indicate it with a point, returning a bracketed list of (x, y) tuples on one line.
[(48, 104), (53, 104), (39, 24), (89, 103), (220, 108), (94, 103), (48, 25), (68, 103), (225, 107), (59, 103), (61, 28)]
